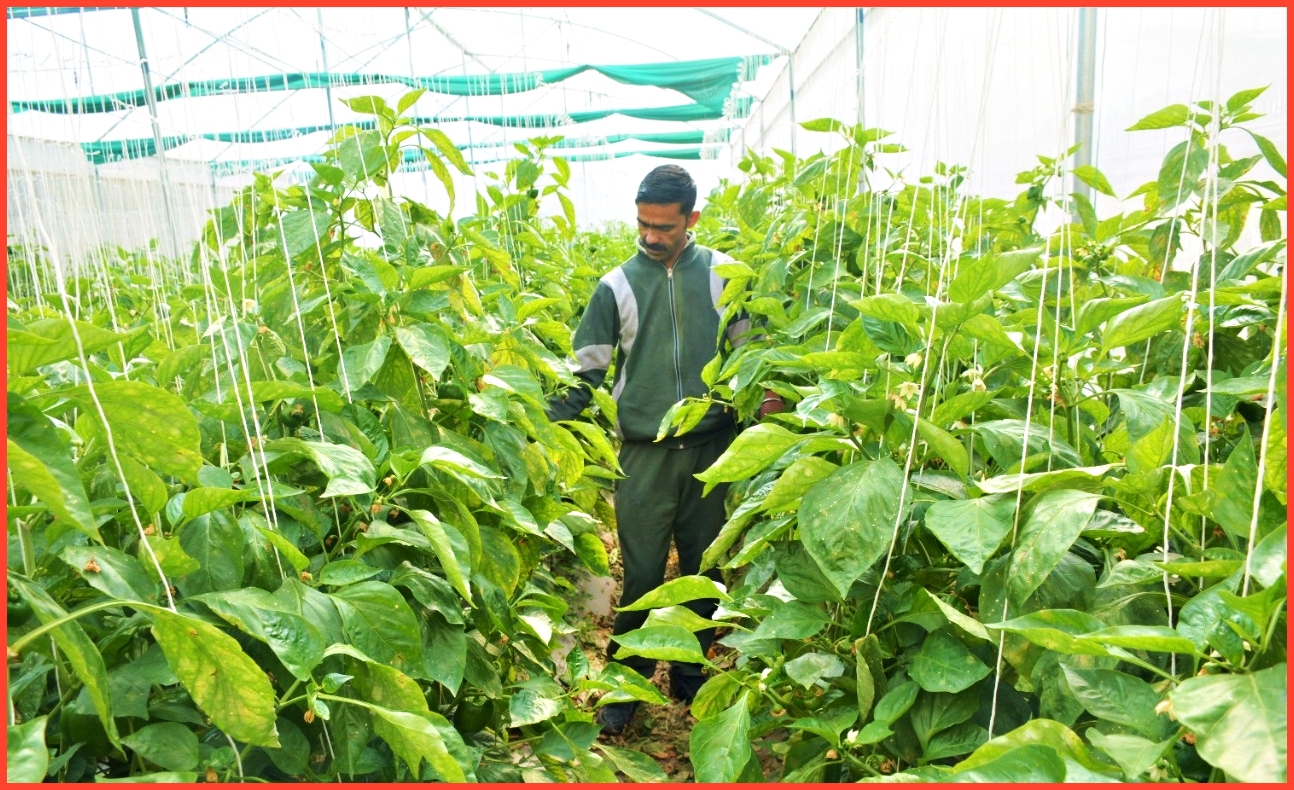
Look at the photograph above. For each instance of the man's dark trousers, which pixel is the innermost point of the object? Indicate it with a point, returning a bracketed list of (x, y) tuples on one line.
[(660, 499)]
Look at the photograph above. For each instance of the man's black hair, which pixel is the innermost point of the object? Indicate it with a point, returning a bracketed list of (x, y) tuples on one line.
[(668, 184)]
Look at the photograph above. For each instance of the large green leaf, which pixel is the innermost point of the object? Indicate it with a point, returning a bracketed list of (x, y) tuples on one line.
[(720, 745), (1182, 168), (1005, 440), (1117, 697), (112, 572), (75, 646), (661, 642), (147, 422), (756, 449), (792, 620), (166, 744), (442, 545), (1055, 520), (945, 664), (1056, 629), (944, 446), (296, 641), (1142, 322), (635, 765), (28, 758), (1036, 736), (305, 230), (1234, 507), (427, 345), (1239, 722), (377, 620), (1168, 117), (51, 340), (349, 472), (935, 712), (528, 706), (40, 461), (360, 362), (1134, 754), (676, 591), (990, 273), (795, 480), (216, 542), (226, 684), (847, 519), (972, 529), (415, 737)]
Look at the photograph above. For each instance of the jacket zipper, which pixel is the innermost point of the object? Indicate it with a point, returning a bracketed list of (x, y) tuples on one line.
[(673, 314)]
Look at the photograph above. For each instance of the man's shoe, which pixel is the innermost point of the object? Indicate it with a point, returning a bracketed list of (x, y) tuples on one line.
[(684, 687), (615, 717)]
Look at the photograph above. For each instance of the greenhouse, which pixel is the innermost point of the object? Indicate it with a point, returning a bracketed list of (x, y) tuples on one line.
[(669, 394)]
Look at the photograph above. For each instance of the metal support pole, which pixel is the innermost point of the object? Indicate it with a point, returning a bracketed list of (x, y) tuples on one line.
[(323, 53), (858, 54), (170, 239), (790, 78), (1085, 94)]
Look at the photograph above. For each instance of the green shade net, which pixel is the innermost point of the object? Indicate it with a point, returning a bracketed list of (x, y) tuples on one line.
[(414, 160), (106, 151), (708, 82)]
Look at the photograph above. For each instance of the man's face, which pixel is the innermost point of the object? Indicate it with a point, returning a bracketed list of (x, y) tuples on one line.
[(662, 230)]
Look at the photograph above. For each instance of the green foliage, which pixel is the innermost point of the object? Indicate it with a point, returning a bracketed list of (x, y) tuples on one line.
[(1013, 521)]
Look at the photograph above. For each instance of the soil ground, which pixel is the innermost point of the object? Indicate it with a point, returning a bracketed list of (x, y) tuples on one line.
[(661, 731)]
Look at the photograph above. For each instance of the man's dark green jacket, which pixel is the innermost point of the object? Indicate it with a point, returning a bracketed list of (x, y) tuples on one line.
[(662, 325)]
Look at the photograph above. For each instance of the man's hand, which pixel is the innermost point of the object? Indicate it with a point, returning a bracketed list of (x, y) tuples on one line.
[(771, 404)]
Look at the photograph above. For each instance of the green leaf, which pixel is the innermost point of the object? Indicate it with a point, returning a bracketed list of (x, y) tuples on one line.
[(935, 712), (76, 647), (676, 591), (1142, 322), (446, 147), (635, 765), (443, 547), (377, 620), (1095, 179), (1039, 736), (340, 573), (166, 744), (216, 542), (1267, 560), (1170, 116), (528, 707), (453, 461), (972, 529), (754, 450), (944, 446), (945, 664), (896, 702), (990, 273), (1056, 629), (349, 472), (1094, 312), (792, 620), (51, 340), (1080, 477), (683, 617), (226, 685), (720, 745), (1055, 520), (956, 740), (662, 643), (890, 307), (795, 480), (1270, 152), (305, 231), (149, 423), (715, 695), (295, 640), (40, 460), (327, 400), (1234, 507), (965, 622), (203, 500), (1134, 754), (1151, 638), (1032, 762), (119, 575), (1116, 697), (1180, 172), (286, 548), (427, 345), (809, 668), (959, 406), (622, 684), (1239, 722), (361, 362), (145, 485), (28, 758), (415, 737), (848, 517)]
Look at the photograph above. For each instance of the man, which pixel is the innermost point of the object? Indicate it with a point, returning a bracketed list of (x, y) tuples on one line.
[(657, 313)]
